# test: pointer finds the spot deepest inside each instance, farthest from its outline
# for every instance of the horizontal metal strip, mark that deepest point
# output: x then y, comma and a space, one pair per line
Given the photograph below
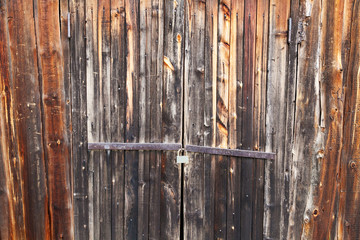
176, 146
134, 146
230, 152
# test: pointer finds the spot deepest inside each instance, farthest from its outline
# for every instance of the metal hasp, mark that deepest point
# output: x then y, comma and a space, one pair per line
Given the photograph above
176, 146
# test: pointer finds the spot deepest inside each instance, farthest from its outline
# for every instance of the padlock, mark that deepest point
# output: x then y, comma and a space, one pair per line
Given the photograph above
182, 158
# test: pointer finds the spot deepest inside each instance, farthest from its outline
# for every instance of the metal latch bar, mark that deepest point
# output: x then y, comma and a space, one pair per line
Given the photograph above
135, 146
176, 146
230, 152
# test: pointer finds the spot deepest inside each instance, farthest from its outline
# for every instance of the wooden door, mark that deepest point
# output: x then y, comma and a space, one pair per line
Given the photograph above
189, 72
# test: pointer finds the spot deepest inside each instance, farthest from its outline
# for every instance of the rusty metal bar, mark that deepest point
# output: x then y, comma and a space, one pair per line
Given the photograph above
230, 152
176, 146
135, 146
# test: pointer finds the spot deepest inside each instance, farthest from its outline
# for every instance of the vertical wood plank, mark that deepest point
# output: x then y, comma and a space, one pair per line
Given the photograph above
81, 167
235, 71
276, 120
349, 185
12, 224
145, 75
117, 98
56, 140
193, 197
348, 209
247, 165
222, 119
172, 118
156, 90
259, 113
308, 146
132, 120
28, 125
94, 112
104, 48
210, 78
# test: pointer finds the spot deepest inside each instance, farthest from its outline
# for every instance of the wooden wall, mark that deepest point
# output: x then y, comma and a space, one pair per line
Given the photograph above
216, 73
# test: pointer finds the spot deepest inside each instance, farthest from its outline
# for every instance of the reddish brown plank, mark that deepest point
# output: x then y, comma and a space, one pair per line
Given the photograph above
56, 140
28, 125
12, 225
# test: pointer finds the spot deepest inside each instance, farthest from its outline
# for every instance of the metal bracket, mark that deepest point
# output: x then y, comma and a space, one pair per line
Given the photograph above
176, 147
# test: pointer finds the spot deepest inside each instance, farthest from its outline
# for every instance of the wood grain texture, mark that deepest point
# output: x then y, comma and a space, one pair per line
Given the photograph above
132, 119
172, 119
210, 78
276, 120
222, 119
30, 164
145, 76
117, 114
259, 129
56, 140
82, 189
247, 140
193, 197
156, 96
12, 225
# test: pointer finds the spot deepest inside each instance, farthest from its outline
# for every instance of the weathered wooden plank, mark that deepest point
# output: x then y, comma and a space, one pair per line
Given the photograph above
12, 224
104, 46
259, 128
222, 118
235, 71
94, 112
156, 96
322, 203
144, 117
117, 98
276, 120
28, 123
132, 119
65, 46
308, 146
56, 140
81, 166
347, 227
172, 118
247, 140
210, 78
193, 197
